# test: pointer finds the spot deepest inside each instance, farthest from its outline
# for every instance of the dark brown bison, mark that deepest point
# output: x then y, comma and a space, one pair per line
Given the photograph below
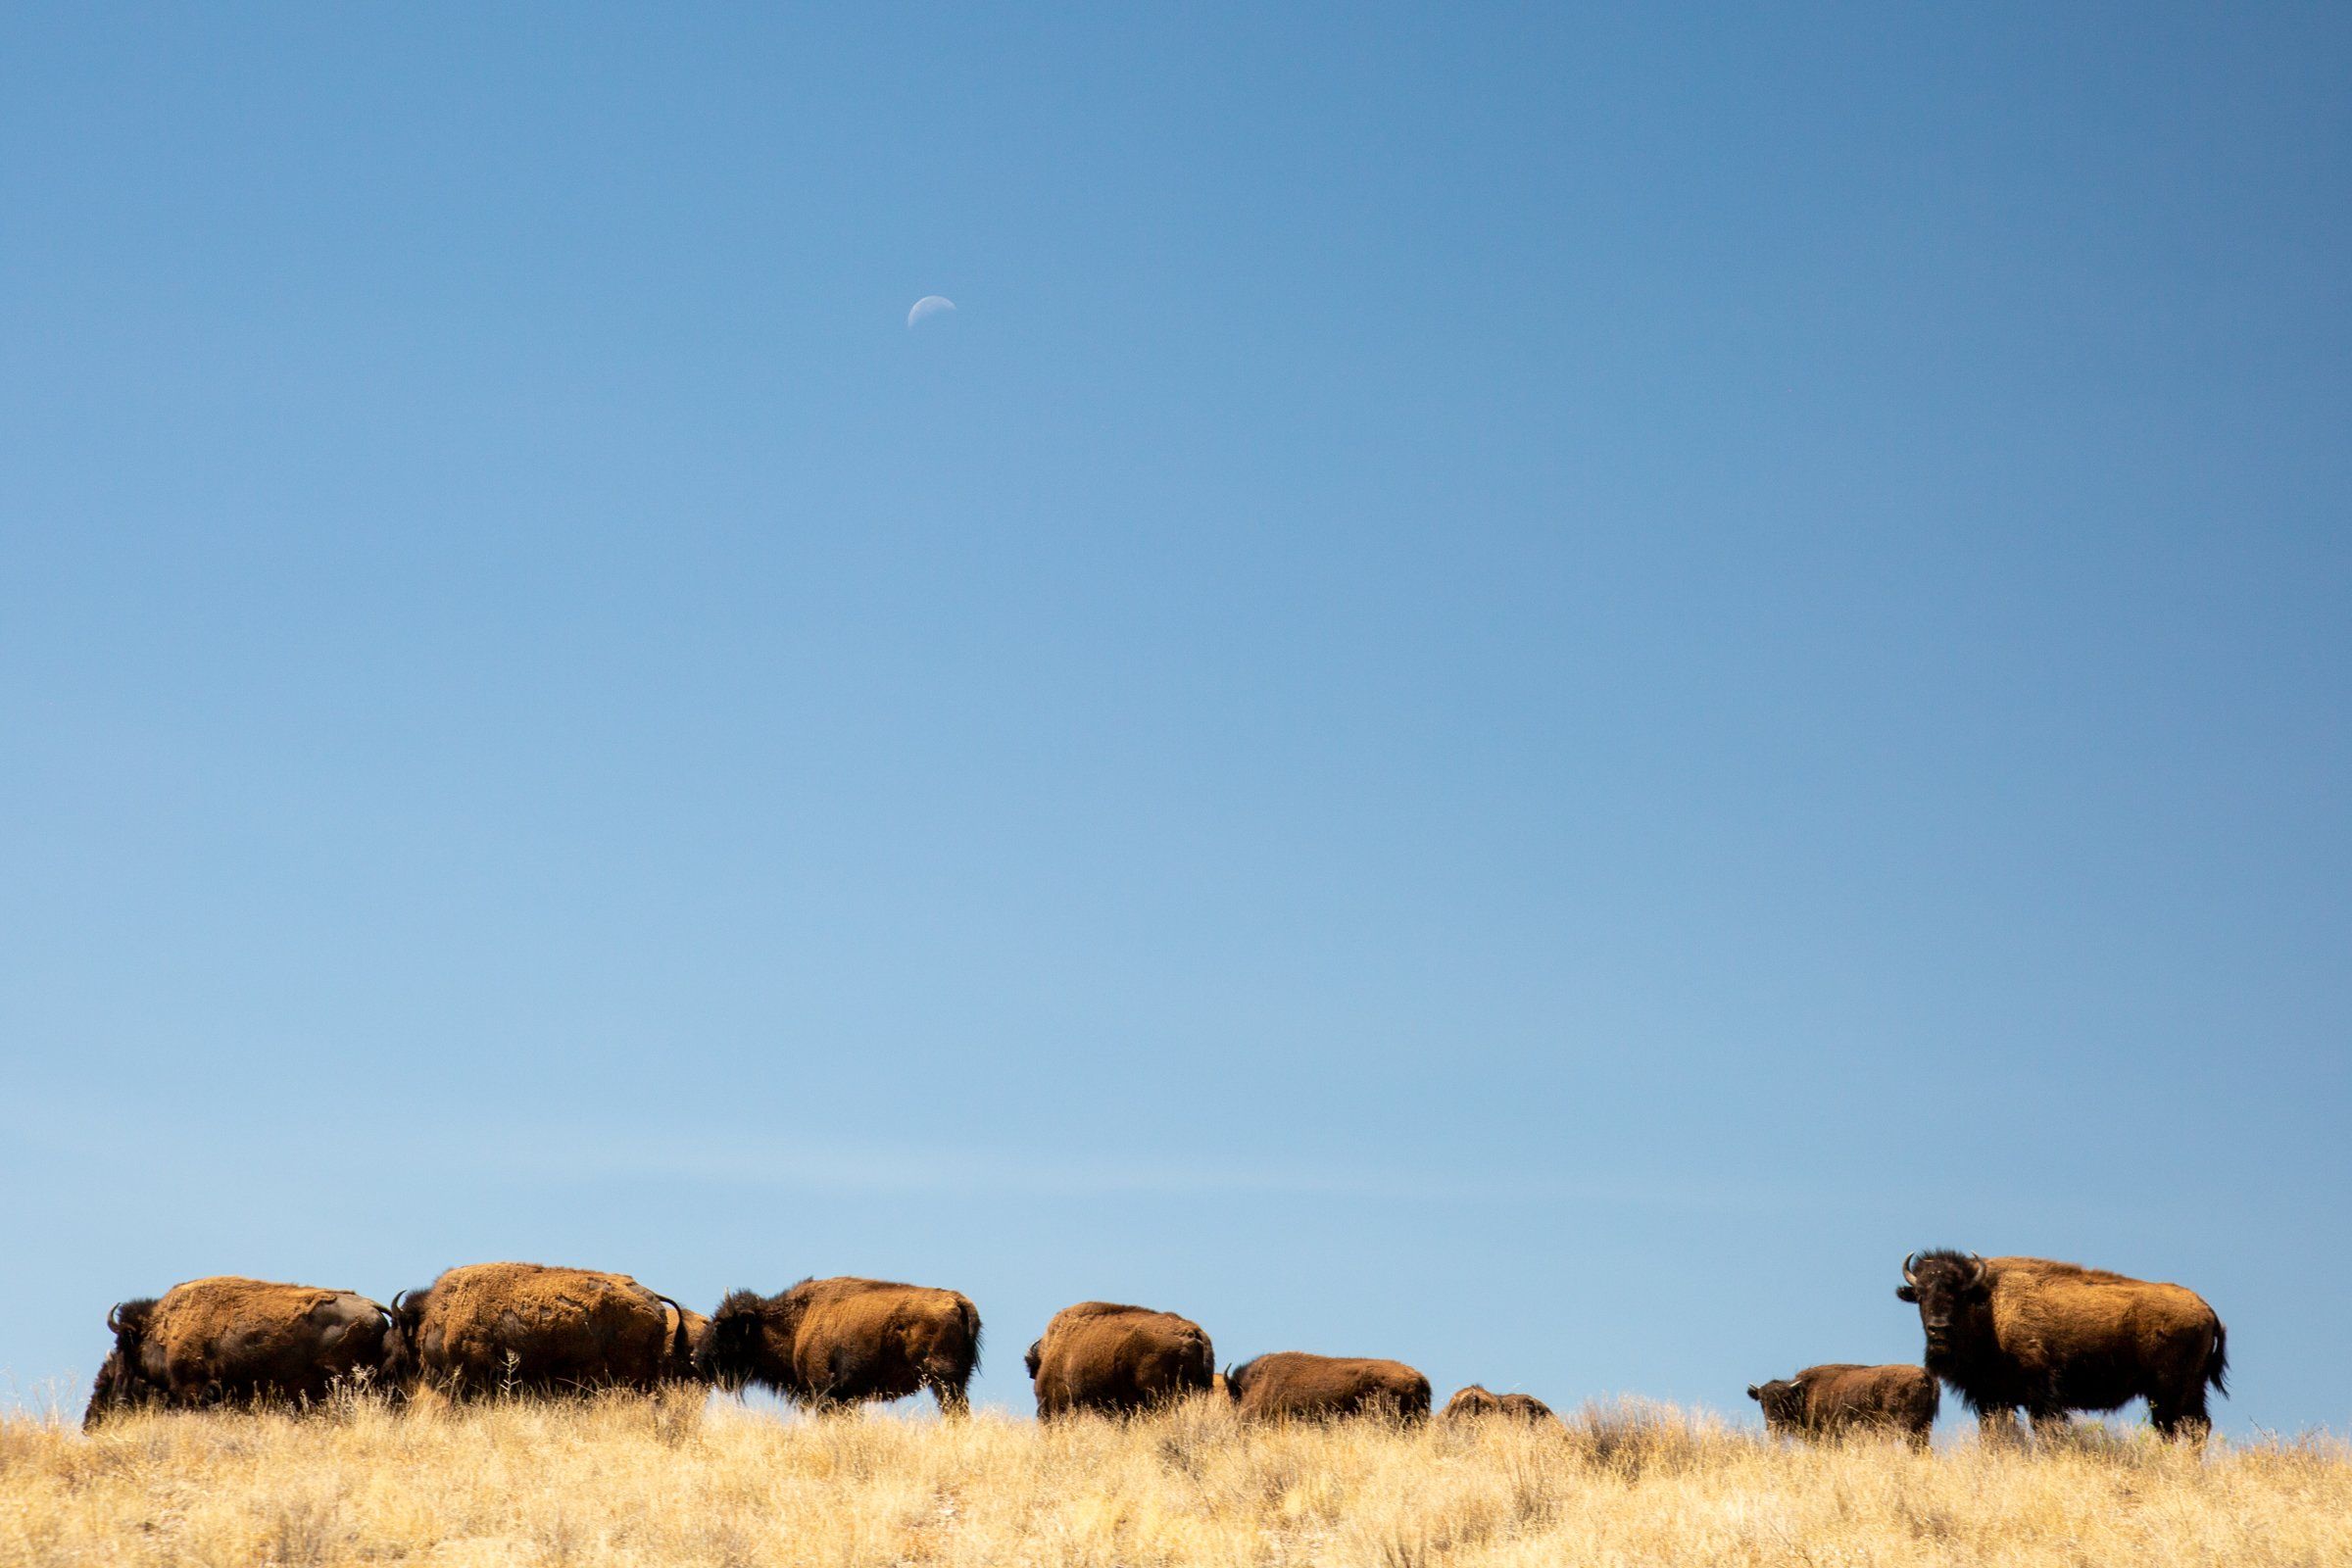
1098, 1356
1840, 1396
2023, 1333
831, 1342
1292, 1385
1478, 1400
230, 1341
526, 1328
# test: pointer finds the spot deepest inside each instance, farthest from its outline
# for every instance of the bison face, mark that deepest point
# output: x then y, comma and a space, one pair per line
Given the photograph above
1952, 1292
733, 1350
401, 1361
1782, 1402
133, 1372
114, 1390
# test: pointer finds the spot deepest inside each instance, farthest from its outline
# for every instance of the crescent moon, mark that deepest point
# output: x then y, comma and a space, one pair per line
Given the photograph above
928, 306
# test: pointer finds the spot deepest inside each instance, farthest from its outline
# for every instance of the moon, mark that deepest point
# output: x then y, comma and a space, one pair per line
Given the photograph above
928, 306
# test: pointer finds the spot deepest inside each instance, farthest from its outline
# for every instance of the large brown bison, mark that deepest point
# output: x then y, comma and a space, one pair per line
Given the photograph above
1841, 1397
2024, 1333
526, 1328
832, 1342
229, 1341
1099, 1355
1478, 1402
1295, 1386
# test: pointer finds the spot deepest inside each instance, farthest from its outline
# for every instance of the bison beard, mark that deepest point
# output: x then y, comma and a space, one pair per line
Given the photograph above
227, 1341
2049, 1338
1293, 1385
838, 1341
1100, 1356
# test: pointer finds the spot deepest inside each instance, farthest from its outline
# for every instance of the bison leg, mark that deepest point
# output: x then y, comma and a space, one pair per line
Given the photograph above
2182, 1417
947, 1390
2048, 1423
1997, 1426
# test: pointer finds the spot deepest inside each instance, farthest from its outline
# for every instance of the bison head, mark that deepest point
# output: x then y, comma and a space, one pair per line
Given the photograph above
112, 1390
1955, 1295
1782, 1402
1475, 1401
740, 1345
1033, 1360
406, 1315
124, 1378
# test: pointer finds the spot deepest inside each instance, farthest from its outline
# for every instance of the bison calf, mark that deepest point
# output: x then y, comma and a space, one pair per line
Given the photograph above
1478, 1400
484, 1328
1099, 1355
1840, 1396
837, 1340
1293, 1385
229, 1341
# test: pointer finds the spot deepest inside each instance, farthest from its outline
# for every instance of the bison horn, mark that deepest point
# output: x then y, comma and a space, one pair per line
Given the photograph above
400, 1304
113, 1318
1976, 1270
1910, 1264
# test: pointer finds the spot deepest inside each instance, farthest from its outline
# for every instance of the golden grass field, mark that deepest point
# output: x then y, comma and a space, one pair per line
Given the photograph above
676, 1480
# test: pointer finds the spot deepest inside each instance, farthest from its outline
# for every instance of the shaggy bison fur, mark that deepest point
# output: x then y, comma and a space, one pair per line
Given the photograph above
487, 1327
1478, 1400
2024, 1333
1295, 1386
229, 1341
1099, 1355
1840, 1396
838, 1341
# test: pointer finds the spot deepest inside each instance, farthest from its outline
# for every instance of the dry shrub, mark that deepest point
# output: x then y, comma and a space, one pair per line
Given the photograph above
618, 1480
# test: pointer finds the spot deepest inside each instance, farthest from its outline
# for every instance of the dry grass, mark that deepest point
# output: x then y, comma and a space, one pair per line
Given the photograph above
668, 1482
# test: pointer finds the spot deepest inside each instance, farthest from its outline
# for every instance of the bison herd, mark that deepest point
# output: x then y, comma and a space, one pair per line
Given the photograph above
2007, 1333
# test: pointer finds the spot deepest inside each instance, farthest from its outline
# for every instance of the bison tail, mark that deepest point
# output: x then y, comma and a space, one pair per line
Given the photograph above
2216, 1360
1203, 1369
971, 1329
680, 1346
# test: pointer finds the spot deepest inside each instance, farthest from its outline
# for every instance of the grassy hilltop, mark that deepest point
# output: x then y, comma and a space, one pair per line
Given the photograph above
673, 1481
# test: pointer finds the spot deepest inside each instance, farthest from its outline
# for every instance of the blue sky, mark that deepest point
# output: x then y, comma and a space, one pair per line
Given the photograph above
1519, 692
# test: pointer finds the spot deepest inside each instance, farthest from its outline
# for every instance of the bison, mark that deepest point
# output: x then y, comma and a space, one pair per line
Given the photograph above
1840, 1396
2012, 1333
1292, 1385
1099, 1355
229, 1341
826, 1342
529, 1328
1478, 1400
